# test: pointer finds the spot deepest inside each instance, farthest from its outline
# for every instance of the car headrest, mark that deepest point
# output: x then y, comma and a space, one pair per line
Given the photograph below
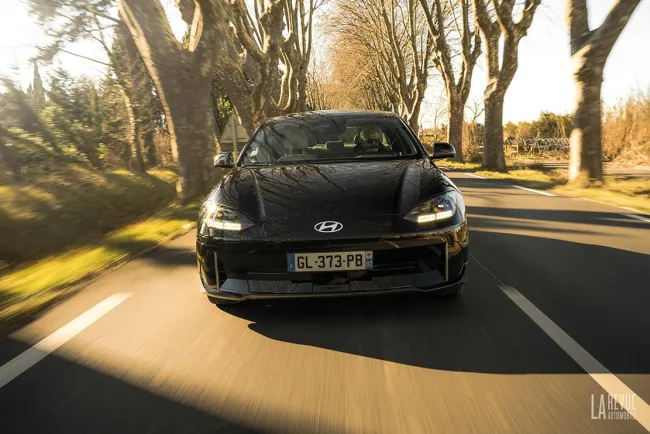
336, 146
297, 143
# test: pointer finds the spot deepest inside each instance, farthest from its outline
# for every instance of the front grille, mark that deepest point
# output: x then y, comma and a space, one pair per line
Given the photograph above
220, 271
431, 255
262, 265
419, 262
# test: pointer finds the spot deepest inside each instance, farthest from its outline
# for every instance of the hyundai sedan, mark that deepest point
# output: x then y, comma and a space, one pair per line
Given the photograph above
332, 204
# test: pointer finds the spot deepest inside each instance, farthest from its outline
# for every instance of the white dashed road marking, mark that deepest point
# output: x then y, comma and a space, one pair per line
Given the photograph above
638, 217
475, 176
40, 350
533, 191
638, 408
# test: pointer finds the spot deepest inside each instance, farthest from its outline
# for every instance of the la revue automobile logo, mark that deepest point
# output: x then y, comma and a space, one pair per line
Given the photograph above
328, 226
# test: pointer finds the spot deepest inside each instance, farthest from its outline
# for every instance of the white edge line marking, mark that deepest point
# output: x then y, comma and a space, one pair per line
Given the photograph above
40, 350
632, 216
475, 176
533, 191
638, 217
599, 373
603, 203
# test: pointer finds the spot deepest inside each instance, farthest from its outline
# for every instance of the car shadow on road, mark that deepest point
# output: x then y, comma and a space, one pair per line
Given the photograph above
413, 329
483, 330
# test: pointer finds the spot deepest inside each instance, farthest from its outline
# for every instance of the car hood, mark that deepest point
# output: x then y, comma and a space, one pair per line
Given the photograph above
366, 197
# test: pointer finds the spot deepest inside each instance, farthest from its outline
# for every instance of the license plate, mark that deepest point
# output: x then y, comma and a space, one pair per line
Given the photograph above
334, 261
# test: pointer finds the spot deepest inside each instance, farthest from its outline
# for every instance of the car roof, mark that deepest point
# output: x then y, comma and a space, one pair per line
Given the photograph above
334, 114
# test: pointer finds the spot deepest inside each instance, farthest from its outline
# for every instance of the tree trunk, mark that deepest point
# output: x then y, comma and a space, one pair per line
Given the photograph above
137, 159
134, 137
183, 80
455, 126
414, 115
586, 146
302, 89
413, 123
149, 148
589, 52
493, 156
191, 129
10, 160
248, 120
239, 94
93, 157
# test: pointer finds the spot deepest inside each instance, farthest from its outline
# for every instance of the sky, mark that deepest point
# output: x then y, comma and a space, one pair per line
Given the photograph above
543, 81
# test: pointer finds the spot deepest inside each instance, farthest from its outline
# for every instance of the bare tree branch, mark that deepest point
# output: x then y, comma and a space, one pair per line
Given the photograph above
605, 36
84, 57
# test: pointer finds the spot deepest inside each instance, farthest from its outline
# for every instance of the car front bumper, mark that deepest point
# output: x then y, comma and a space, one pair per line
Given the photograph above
422, 261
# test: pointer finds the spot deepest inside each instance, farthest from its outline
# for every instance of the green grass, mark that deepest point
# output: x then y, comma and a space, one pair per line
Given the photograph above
633, 193
65, 222
73, 205
618, 191
27, 290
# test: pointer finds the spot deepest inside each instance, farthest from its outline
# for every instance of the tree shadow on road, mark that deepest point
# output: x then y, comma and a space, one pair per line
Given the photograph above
589, 218
58, 395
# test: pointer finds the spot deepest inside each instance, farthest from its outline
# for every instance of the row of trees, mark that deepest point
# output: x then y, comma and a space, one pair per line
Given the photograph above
389, 49
625, 127
254, 56
248, 56
240, 46
393, 45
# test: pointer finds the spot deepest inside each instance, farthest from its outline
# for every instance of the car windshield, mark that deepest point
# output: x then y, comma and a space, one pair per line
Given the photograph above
331, 139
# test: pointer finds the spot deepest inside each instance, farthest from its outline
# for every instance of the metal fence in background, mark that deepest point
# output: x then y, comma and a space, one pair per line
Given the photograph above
536, 146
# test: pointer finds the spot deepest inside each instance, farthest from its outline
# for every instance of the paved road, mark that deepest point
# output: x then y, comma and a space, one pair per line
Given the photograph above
163, 359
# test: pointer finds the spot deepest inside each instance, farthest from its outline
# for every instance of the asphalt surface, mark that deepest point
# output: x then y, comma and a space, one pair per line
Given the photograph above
166, 360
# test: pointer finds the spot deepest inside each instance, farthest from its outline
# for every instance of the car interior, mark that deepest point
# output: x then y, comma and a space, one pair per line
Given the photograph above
289, 143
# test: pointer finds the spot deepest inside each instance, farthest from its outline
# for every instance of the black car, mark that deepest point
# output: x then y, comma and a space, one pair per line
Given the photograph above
332, 203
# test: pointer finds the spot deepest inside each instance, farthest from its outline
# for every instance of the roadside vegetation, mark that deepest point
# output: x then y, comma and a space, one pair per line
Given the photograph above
625, 126
621, 191
67, 222
73, 205
27, 290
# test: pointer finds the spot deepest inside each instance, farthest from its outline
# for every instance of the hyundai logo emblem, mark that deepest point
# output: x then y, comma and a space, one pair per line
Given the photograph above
328, 226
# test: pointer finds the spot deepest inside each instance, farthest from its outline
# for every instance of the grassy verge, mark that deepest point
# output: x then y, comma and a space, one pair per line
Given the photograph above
633, 193
615, 190
28, 290
73, 205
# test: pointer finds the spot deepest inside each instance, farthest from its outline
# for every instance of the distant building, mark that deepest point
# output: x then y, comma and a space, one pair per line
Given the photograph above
234, 136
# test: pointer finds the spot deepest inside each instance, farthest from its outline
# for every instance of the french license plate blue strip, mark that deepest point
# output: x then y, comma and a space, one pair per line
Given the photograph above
291, 261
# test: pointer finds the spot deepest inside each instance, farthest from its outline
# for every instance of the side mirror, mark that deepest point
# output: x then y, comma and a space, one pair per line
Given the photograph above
224, 159
443, 150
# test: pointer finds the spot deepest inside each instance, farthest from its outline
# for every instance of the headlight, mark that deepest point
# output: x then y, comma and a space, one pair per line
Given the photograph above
222, 218
441, 207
